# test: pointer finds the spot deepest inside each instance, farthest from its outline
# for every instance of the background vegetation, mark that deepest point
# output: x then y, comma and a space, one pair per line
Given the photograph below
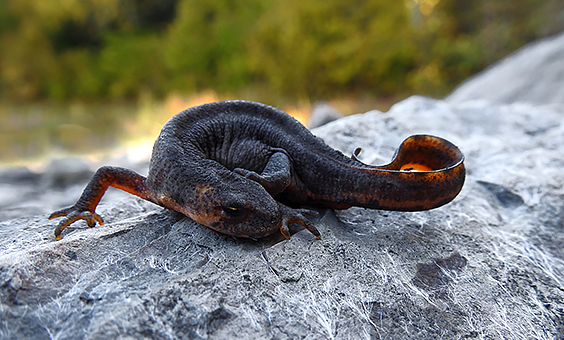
276, 51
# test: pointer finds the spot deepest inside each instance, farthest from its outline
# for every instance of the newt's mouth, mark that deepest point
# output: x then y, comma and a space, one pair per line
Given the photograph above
253, 229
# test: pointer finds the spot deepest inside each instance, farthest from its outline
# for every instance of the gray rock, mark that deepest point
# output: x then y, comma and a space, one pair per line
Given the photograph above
488, 265
321, 114
534, 74
27, 192
63, 172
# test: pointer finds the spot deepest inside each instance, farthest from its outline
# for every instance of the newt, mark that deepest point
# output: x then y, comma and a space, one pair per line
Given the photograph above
246, 169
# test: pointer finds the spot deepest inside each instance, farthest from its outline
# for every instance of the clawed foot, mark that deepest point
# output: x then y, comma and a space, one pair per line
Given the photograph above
248, 174
297, 216
72, 215
274, 184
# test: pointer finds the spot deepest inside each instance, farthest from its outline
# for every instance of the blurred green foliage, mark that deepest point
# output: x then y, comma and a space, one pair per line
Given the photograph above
313, 49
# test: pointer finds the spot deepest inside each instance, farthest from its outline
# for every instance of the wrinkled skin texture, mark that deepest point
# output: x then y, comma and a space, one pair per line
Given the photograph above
235, 165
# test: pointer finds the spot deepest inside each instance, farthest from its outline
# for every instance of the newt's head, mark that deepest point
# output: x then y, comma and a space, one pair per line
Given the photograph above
237, 207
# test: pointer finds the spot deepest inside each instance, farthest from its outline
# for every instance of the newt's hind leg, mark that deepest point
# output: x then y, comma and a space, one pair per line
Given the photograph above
85, 207
276, 175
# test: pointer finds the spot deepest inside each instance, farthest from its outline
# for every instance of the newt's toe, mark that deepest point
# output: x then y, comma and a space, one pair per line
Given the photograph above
297, 216
285, 230
72, 215
59, 213
248, 174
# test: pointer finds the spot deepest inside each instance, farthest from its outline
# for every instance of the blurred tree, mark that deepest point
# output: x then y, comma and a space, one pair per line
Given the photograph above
206, 47
321, 47
456, 39
70, 49
132, 64
147, 14
294, 48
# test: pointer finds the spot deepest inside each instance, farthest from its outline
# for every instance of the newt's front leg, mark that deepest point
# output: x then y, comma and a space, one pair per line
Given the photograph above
276, 175
297, 216
85, 207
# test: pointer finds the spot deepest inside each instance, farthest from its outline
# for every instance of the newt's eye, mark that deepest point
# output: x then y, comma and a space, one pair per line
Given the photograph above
235, 213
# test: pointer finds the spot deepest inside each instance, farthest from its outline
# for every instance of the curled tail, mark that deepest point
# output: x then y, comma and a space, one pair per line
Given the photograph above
425, 173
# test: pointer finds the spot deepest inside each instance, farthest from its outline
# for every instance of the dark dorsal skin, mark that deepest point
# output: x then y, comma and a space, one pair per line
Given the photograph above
229, 166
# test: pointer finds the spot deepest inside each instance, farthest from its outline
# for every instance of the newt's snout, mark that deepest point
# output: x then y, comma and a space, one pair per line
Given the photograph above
243, 209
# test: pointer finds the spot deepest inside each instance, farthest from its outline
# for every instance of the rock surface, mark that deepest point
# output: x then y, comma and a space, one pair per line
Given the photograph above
488, 265
321, 114
533, 74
